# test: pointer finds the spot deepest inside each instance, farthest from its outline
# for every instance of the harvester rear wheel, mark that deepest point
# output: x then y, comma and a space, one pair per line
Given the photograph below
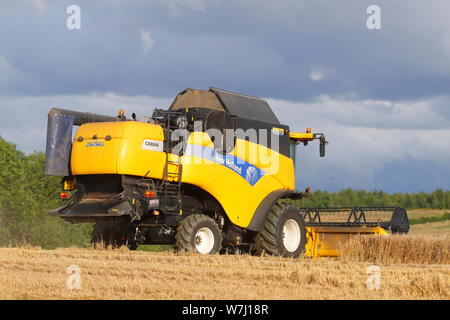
284, 233
198, 233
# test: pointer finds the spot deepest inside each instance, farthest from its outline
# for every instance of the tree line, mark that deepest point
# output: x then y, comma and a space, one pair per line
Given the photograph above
438, 199
26, 195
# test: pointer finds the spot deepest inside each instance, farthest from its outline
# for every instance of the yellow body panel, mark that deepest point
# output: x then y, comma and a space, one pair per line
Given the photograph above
124, 154
301, 136
237, 196
133, 159
325, 241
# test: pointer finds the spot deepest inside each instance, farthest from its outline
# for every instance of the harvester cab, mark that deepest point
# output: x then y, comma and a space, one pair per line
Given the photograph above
213, 172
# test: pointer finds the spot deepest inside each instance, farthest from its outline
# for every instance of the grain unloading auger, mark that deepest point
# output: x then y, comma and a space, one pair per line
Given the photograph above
213, 172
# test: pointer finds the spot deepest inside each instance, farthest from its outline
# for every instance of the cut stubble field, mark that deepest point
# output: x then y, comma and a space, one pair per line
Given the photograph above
32, 273
415, 266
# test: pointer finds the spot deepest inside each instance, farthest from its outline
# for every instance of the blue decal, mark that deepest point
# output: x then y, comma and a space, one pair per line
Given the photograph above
246, 170
95, 144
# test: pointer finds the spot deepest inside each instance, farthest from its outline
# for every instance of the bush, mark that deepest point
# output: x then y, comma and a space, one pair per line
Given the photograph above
26, 195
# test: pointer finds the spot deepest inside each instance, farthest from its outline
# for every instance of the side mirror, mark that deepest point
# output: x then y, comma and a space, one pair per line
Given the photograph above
323, 142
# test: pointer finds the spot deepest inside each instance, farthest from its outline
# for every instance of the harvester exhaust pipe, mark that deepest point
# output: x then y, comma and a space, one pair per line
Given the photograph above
59, 137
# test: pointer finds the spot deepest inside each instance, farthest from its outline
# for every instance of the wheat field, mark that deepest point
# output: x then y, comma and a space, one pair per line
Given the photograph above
397, 249
33, 273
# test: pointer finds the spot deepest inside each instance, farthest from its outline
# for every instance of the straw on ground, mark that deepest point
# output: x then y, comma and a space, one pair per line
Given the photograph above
32, 273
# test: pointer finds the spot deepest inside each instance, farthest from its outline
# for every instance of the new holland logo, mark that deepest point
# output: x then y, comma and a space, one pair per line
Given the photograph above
252, 175
152, 145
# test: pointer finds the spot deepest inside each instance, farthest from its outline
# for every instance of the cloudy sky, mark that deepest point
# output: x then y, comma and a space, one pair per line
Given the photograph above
382, 97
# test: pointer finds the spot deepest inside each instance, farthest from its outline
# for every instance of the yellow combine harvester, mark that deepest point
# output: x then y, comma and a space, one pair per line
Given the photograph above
208, 174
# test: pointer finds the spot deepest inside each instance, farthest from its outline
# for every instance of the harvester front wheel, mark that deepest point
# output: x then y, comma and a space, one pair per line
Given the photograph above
284, 233
198, 233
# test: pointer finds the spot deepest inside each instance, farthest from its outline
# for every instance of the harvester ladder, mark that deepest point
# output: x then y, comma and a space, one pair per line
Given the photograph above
171, 184
170, 187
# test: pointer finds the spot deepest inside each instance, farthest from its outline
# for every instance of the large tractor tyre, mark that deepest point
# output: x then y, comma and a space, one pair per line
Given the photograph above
284, 233
198, 233
111, 235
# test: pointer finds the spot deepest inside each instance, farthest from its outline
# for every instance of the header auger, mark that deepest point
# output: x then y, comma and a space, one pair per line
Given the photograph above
210, 173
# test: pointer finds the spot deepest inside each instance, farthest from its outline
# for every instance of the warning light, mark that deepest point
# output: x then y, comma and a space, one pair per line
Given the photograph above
150, 194
121, 112
308, 130
64, 195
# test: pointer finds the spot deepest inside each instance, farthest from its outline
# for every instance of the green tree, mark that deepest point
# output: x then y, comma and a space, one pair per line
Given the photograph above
26, 195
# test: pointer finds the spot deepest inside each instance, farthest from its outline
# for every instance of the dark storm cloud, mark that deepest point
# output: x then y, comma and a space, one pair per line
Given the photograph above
266, 48
382, 96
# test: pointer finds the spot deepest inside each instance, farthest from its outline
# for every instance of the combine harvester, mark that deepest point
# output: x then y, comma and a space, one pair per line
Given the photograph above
211, 173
